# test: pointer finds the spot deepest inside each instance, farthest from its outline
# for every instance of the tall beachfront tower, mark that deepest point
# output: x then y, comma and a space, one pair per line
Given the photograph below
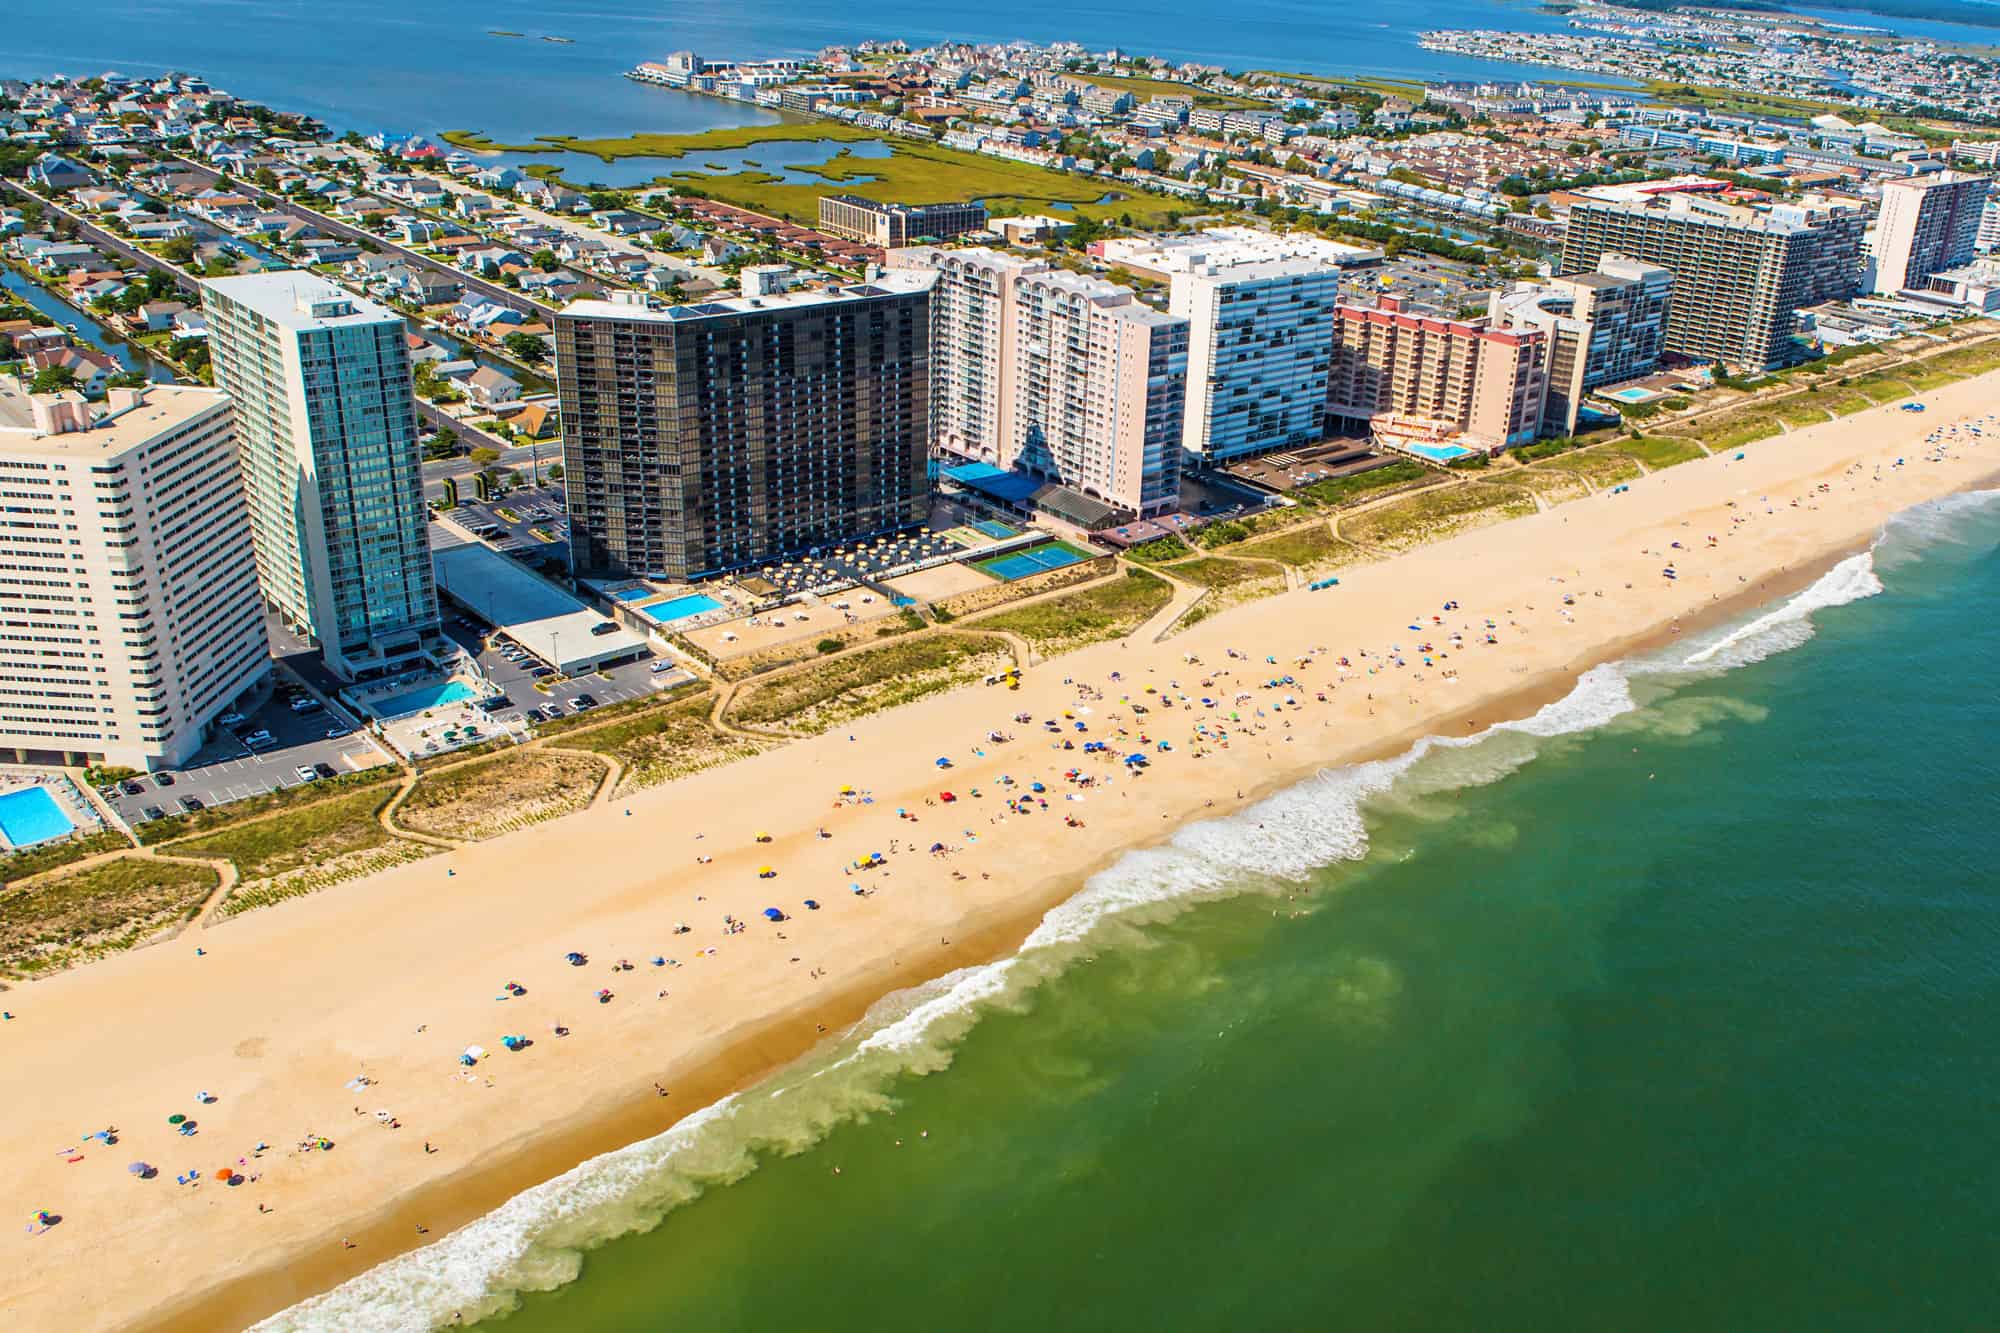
704, 438
127, 586
327, 434
1928, 224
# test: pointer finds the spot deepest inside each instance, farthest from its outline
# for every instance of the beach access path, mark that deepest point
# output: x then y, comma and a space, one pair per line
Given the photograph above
392, 976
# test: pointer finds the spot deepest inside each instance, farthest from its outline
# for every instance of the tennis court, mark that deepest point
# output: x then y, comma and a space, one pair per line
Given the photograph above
993, 527
1036, 560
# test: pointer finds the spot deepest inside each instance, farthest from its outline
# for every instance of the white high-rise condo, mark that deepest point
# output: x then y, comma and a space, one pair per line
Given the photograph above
1928, 224
327, 432
129, 615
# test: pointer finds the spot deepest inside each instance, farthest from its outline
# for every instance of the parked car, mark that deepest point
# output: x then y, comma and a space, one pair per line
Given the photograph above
663, 664
306, 773
164, 779
325, 770
130, 788
231, 719
190, 804
304, 704
154, 812
259, 740
335, 733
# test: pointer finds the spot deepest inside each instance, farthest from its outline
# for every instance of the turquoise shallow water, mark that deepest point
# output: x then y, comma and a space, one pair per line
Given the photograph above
1672, 1008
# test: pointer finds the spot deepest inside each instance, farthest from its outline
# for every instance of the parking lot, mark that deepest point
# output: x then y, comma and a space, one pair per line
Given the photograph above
509, 523
516, 679
226, 769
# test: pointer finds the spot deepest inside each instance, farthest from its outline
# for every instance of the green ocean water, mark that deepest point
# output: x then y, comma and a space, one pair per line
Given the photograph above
1674, 1008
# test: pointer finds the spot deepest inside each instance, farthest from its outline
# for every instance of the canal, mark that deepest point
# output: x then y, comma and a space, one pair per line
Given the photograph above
85, 325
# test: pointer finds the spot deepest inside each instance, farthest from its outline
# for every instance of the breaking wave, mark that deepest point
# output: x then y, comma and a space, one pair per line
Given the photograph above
536, 1241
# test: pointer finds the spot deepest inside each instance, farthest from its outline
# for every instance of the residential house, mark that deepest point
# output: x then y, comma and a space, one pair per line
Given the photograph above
489, 388
90, 366
54, 172
492, 260
158, 316
623, 222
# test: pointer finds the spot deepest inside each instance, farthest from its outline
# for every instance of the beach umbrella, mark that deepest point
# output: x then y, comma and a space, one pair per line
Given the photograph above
763, 837
140, 1169
773, 914
812, 905
176, 1118
1036, 786
765, 872
943, 762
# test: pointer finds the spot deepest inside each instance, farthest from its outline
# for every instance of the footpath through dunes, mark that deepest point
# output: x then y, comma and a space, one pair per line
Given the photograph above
393, 976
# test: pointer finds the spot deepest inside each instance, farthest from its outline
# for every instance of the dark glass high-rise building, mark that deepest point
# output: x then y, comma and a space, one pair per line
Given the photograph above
704, 438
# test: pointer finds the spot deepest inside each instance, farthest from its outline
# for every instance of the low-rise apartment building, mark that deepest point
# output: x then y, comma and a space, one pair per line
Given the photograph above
1414, 378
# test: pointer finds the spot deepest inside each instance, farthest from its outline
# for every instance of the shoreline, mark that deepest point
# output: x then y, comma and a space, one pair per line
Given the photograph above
338, 978
769, 1048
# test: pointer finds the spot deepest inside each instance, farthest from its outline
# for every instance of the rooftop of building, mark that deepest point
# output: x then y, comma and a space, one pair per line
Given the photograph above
879, 206
68, 425
294, 299
636, 306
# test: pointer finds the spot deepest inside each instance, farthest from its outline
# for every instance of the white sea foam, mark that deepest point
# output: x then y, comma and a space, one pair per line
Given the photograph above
535, 1241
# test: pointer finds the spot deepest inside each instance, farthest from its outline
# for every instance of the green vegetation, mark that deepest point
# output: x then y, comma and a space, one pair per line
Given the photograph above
1160, 549
911, 171
661, 743
1220, 572
49, 855
309, 835
812, 700
1336, 492
1309, 547
1144, 89
1595, 466
1657, 451
222, 816
493, 796
1551, 486
114, 905
1436, 514
1107, 610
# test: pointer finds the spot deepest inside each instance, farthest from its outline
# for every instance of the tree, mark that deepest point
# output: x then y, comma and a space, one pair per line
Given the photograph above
52, 379
179, 249
524, 346
484, 455
545, 260
266, 178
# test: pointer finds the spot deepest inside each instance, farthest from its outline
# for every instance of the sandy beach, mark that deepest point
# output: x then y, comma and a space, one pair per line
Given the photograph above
391, 978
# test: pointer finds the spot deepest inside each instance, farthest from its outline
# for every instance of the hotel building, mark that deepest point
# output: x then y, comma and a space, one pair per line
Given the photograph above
129, 615
1603, 328
1059, 375
891, 225
1421, 379
704, 438
327, 433
1743, 273
1928, 224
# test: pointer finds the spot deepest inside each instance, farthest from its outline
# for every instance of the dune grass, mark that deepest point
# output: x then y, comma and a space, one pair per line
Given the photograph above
812, 699
1107, 610
488, 797
81, 914
659, 744
1435, 514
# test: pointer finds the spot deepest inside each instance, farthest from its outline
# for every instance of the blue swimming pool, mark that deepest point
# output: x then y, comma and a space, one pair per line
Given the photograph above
632, 594
1040, 559
1439, 453
680, 608
1633, 395
430, 696
30, 815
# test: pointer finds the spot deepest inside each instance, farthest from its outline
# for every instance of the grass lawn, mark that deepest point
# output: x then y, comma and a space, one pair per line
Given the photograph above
1144, 89
659, 744
820, 696
1436, 514
1107, 610
1160, 550
107, 907
1658, 451
1337, 491
1934, 379
494, 796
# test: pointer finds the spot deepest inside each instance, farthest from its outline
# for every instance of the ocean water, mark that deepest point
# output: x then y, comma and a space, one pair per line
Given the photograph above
1669, 1007
385, 64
